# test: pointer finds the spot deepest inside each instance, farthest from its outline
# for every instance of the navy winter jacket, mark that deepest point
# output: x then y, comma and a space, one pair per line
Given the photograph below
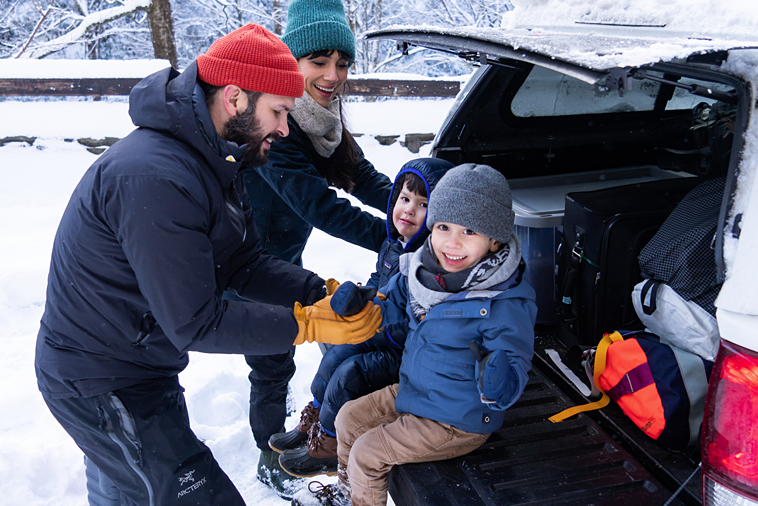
290, 197
430, 170
157, 229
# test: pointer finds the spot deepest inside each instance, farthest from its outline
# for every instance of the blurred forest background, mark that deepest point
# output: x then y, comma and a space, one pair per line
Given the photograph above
179, 30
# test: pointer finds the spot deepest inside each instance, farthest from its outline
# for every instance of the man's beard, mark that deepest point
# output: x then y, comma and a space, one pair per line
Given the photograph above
244, 128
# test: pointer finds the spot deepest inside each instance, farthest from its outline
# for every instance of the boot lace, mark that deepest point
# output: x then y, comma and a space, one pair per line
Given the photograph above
327, 494
308, 417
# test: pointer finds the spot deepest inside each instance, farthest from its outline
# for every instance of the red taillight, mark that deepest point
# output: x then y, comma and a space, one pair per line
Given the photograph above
730, 425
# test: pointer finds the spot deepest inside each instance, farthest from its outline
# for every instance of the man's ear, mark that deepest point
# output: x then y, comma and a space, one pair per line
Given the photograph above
495, 246
232, 99
226, 104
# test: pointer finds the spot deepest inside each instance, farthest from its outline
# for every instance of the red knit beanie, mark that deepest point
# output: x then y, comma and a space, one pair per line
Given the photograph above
254, 59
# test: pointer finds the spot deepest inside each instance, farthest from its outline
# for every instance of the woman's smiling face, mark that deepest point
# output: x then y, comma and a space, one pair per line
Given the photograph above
324, 74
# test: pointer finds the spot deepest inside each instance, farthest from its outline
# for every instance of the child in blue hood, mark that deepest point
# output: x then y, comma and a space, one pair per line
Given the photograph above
348, 372
470, 342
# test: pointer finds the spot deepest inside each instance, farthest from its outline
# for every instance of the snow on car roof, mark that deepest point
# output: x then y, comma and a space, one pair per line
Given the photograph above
590, 46
729, 19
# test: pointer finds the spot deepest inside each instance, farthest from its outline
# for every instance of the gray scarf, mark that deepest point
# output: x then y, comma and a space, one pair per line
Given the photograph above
322, 125
488, 272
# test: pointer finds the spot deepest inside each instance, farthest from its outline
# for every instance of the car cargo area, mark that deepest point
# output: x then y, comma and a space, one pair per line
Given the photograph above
632, 150
590, 459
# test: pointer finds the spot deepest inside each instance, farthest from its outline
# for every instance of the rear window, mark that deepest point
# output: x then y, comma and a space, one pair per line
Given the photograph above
546, 93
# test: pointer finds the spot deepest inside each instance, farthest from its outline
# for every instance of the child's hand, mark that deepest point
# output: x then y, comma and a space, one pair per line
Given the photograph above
350, 298
493, 372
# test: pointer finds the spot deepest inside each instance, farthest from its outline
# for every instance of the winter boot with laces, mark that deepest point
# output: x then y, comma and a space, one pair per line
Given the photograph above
297, 436
321, 495
319, 456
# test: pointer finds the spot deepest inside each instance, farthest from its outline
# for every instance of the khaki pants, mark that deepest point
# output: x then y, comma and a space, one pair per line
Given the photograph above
372, 437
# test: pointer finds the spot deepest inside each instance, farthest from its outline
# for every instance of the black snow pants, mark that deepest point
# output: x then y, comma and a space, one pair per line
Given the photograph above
139, 437
269, 377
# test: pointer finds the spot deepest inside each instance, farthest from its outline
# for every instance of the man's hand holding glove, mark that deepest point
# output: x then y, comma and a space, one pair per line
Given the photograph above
495, 377
320, 323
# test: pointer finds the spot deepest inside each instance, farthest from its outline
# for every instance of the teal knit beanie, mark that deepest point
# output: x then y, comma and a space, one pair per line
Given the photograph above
318, 25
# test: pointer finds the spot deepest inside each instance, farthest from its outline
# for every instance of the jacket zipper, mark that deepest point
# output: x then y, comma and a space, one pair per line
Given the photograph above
237, 212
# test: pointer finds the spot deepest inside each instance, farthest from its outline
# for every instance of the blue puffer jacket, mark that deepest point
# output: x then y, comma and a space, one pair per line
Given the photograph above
157, 229
430, 170
290, 197
438, 371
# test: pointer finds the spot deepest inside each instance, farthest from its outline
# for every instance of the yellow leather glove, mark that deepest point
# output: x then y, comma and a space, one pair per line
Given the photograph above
331, 286
320, 324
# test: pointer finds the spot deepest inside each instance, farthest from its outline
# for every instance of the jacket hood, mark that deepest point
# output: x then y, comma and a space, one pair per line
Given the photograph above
430, 170
174, 103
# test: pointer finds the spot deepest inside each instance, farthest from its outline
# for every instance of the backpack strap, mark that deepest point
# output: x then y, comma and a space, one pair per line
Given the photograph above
695, 381
600, 357
650, 286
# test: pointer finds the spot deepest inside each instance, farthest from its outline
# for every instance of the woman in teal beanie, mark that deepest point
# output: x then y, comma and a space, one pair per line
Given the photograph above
294, 192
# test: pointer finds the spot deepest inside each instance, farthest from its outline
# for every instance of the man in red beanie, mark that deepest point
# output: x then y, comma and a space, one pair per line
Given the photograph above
155, 233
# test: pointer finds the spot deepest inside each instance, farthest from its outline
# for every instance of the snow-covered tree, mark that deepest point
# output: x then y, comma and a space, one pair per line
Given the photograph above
110, 29
103, 28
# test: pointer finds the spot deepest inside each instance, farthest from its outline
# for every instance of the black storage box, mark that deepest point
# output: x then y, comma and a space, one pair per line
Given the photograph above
603, 234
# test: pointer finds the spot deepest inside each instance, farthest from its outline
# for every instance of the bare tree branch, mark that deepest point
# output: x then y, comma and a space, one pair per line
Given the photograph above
88, 23
34, 32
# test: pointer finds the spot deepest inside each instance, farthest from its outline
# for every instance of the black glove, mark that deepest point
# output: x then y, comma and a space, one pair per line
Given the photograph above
350, 298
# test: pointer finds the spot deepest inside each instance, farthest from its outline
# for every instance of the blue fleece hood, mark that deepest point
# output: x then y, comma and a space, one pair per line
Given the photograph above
430, 170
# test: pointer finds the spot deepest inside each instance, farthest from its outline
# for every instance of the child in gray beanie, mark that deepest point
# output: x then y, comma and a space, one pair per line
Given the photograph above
469, 347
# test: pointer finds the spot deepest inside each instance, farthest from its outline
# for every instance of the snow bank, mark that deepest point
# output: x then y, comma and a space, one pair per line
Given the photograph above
78, 69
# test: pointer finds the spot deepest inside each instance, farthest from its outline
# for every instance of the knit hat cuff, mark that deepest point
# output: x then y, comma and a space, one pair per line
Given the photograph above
320, 36
250, 77
477, 216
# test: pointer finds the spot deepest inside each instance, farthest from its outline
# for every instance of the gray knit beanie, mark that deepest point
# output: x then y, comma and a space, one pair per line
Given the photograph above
476, 197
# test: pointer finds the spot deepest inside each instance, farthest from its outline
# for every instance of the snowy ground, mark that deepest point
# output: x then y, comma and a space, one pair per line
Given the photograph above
39, 463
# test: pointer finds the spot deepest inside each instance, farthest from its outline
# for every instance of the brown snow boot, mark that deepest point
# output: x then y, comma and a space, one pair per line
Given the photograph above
319, 456
297, 436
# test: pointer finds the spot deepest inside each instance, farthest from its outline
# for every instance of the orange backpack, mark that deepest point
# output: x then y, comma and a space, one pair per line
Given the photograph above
659, 387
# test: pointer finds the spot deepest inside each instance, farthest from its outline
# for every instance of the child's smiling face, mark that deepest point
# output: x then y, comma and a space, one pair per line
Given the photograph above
457, 248
409, 212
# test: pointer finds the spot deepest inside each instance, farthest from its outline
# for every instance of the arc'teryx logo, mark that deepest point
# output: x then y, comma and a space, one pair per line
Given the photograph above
183, 480
187, 478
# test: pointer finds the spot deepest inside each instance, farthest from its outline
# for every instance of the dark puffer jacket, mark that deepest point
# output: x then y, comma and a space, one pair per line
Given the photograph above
290, 197
157, 229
